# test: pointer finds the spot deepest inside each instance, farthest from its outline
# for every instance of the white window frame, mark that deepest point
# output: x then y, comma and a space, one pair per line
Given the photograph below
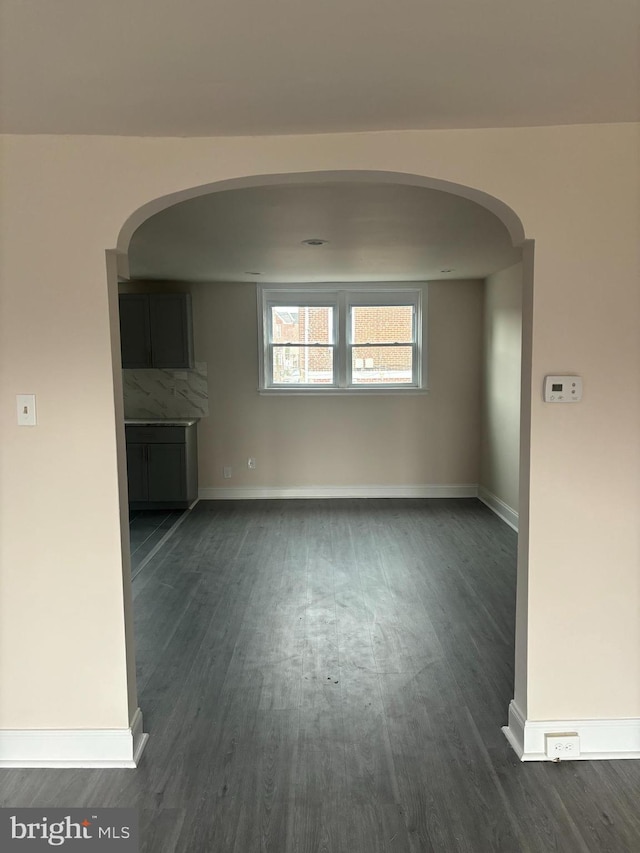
341, 297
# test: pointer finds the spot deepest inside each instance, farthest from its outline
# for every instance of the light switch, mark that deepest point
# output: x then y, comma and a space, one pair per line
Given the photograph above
26, 409
562, 389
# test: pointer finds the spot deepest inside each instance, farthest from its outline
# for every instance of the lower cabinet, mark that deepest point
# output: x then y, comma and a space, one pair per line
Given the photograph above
162, 466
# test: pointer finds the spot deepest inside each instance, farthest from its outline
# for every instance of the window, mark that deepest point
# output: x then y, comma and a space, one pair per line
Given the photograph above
338, 339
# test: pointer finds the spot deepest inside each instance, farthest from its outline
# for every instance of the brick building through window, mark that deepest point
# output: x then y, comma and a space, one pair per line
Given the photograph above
303, 341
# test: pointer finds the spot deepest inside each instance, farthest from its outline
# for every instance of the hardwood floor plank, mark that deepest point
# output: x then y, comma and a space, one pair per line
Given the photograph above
160, 829
315, 828
375, 828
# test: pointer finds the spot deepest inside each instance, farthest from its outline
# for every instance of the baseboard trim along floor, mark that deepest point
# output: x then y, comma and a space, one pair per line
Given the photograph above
464, 490
501, 509
599, 739
80, 748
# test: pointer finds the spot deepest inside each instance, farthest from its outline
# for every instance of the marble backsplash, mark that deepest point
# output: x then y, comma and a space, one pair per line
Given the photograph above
166, 393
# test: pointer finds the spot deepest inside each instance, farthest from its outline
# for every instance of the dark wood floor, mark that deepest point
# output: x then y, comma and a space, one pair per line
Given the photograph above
332, 676
148, 529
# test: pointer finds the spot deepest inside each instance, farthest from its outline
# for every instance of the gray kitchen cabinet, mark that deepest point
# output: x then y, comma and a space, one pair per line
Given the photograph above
156, 330
162, 466
135, 330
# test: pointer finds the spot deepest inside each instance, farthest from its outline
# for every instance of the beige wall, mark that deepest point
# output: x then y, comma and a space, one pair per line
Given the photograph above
339, 440
64, 201
500, 447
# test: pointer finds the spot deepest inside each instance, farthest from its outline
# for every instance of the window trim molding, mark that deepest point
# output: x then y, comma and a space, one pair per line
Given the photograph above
343, 295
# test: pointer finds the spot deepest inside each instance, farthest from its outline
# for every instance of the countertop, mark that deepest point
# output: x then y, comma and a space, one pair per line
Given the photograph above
161, 421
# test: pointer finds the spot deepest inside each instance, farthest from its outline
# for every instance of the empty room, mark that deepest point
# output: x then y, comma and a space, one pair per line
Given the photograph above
320, 458
339, 592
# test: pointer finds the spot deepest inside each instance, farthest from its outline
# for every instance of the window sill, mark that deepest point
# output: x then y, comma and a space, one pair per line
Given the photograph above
341, 392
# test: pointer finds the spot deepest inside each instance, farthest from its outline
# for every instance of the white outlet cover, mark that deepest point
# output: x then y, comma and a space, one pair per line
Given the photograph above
562, 745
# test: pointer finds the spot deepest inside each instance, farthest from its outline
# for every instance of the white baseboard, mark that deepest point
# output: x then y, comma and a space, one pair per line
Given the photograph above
73, 747
599, 739
501, 509
279, 492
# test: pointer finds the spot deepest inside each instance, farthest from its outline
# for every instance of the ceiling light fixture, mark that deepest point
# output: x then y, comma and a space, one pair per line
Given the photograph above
448, 270
248, 272
314, 241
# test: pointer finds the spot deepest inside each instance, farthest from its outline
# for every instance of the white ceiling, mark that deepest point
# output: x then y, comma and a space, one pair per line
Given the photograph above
197, 67
375, 232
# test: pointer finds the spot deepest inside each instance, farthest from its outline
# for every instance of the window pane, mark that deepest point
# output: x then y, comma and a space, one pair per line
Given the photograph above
382, 365
302, 365
381, 324
303, 324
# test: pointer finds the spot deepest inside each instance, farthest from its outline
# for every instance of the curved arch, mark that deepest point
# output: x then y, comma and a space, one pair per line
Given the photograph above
505, 214
512, 222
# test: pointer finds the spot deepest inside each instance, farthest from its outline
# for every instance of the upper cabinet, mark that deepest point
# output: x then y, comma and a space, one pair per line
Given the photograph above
156, 330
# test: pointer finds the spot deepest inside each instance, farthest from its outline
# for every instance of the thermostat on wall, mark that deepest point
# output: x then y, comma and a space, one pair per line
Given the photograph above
562, 389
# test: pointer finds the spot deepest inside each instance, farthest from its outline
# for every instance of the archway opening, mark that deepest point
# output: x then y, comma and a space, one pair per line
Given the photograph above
390, 182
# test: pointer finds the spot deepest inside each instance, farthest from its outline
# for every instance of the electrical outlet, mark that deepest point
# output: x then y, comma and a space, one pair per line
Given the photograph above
561, 746
226, 473
251, 462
